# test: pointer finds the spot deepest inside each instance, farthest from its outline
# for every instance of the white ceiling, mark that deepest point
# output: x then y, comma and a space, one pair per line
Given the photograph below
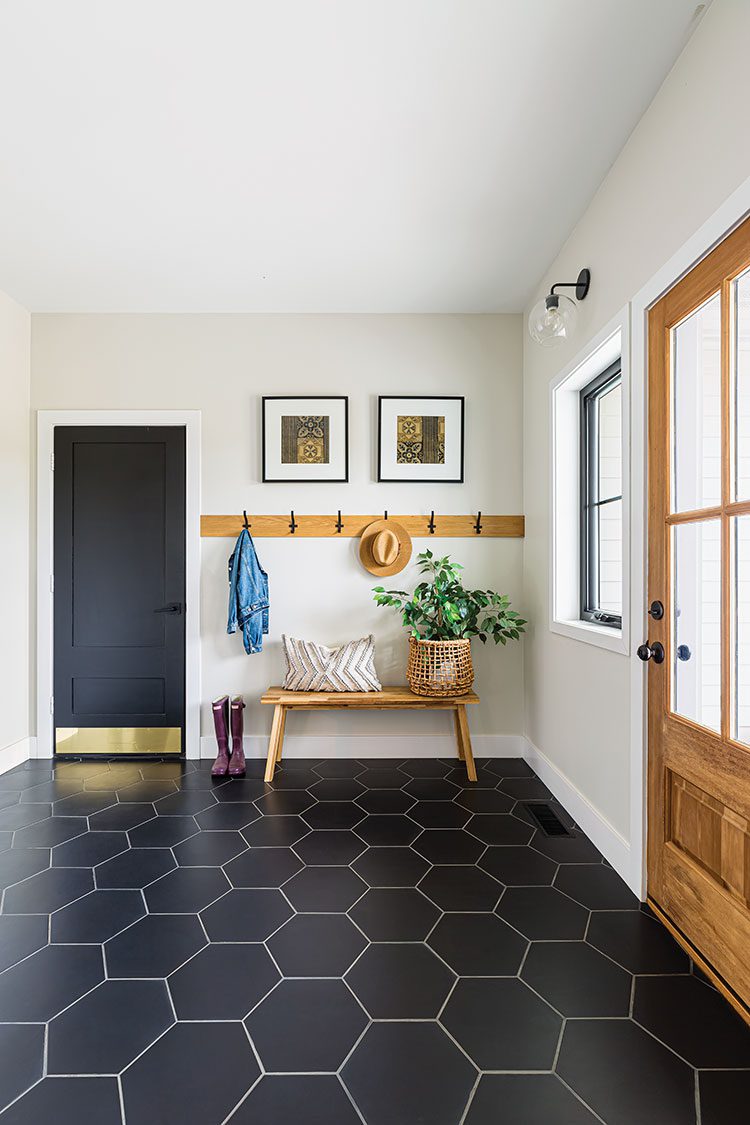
310, 155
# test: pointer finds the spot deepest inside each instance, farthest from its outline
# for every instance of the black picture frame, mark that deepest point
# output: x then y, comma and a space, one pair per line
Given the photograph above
265, 478
420, 398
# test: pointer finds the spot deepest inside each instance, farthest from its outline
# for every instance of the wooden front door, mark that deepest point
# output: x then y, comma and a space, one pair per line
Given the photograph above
699, 570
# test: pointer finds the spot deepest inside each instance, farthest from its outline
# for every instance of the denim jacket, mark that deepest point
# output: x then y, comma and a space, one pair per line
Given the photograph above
248, 594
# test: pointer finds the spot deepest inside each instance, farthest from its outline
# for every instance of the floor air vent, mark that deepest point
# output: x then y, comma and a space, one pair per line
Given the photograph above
546, 818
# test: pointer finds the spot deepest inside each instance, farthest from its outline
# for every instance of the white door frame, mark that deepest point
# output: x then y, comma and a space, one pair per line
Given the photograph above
731, 213
190, 420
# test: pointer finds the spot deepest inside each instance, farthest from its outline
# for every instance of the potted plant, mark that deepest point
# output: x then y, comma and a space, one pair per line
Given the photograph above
443, 616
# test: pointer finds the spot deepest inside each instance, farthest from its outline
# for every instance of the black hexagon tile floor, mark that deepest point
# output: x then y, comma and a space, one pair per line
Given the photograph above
374, 942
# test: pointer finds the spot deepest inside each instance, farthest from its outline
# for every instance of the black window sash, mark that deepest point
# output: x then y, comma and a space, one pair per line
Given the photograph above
590, 500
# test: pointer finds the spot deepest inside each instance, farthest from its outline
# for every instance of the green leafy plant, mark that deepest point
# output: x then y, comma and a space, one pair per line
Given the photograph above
442, 609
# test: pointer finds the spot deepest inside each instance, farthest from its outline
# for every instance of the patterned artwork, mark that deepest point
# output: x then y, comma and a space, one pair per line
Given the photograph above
305, 439
420, 439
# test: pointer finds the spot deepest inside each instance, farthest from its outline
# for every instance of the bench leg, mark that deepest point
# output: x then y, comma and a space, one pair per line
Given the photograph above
280, 739
274, 743
459, 741
464, 735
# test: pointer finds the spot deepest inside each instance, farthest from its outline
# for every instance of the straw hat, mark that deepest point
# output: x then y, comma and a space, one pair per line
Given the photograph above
385, 548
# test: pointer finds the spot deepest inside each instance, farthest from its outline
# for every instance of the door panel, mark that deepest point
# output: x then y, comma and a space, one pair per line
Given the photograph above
699, 567
119, 546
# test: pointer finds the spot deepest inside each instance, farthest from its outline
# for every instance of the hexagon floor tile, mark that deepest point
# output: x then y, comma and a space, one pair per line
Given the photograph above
409, 1072
478, 945
395, 914
502, 1024
381, 937
316, 945
246, 915
400, 980
306, 1025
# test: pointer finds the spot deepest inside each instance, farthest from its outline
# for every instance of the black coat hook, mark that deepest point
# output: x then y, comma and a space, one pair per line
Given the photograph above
478, 524
339, 524
245, 524
293, 525
431, 524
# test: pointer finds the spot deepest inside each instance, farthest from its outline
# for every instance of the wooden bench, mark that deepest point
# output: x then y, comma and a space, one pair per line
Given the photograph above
389, 699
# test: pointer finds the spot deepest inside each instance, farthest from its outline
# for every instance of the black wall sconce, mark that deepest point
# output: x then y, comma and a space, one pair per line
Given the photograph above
553, 319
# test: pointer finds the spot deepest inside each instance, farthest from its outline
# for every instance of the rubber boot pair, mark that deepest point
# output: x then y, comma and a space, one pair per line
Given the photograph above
232, 763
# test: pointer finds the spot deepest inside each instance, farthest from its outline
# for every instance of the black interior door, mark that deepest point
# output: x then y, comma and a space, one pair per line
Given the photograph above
119, 589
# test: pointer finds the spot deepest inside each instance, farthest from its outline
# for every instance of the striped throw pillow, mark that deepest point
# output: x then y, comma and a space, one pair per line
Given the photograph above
313, 667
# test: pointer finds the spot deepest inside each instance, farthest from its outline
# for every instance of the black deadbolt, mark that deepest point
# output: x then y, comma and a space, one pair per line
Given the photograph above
656, 610
653, 652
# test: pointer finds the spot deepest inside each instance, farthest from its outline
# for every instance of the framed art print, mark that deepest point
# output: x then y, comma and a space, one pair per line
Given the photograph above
421, 438
305, 438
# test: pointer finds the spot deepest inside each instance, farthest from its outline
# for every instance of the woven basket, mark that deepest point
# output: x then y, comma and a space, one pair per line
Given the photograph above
439, 667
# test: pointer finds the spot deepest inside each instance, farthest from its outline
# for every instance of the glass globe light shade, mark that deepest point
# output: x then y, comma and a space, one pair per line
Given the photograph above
553, 320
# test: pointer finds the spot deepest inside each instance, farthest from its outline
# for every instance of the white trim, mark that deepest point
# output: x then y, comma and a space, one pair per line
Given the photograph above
728, 216
46, 422
17, 753
376, 746
611, 342
613, 846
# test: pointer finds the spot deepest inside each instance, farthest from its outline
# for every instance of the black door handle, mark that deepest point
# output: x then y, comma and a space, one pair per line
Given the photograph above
653, 652
171, 607
683, 652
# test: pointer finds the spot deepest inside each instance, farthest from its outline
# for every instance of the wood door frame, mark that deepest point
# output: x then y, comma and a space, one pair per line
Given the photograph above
47, 420
734, 210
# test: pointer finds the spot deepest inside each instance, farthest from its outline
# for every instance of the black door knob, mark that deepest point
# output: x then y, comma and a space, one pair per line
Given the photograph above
653, 652
683, 652
172, 607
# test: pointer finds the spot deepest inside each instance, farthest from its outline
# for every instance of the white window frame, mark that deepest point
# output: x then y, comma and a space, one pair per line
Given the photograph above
611, 343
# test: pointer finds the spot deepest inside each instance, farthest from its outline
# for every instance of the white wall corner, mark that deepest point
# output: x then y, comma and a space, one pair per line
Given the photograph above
376, 746
17, 753
614, 847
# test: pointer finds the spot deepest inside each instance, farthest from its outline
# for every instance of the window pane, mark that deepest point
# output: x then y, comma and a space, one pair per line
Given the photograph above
741, 708
696, 398
610, 558
742, 391
696, 627
610, 443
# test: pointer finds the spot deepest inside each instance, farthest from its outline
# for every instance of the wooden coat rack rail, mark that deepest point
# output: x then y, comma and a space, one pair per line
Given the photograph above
333, 526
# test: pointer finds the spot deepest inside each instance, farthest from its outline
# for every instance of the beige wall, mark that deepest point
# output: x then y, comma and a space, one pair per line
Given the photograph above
688, 153
14, 519
221, 366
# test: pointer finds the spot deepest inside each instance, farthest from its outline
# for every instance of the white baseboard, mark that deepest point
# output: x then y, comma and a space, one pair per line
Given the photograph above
16, 753
614, 847
376, 746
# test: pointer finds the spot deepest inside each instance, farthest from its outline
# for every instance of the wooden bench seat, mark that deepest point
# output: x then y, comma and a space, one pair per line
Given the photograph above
389, 699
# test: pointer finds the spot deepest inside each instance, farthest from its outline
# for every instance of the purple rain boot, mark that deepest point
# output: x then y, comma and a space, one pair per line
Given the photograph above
237, 761
220, 768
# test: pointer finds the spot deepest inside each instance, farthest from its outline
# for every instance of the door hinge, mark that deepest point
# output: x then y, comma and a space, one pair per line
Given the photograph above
52, 705
51, 583
52, 462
